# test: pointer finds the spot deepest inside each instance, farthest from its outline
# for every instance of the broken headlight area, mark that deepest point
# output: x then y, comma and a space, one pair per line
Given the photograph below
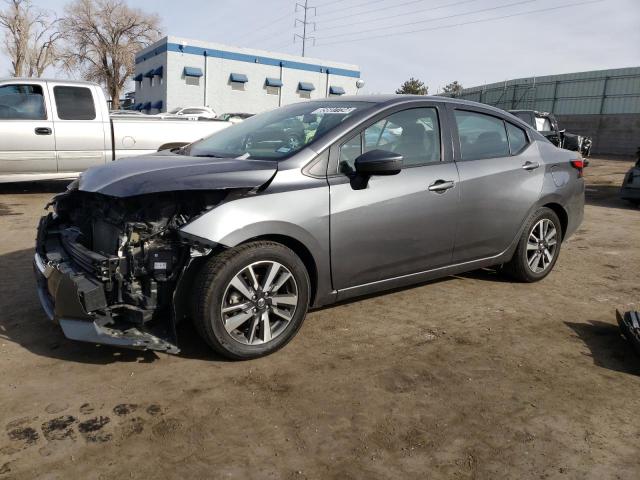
119, 263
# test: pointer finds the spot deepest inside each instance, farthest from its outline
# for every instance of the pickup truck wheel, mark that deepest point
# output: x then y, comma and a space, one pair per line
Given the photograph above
538, 247
251, 300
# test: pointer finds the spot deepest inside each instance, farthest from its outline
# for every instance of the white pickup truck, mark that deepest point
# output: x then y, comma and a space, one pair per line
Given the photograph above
55, 129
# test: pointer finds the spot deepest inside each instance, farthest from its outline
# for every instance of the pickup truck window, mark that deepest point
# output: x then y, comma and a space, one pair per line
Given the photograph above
74, 103
22, 102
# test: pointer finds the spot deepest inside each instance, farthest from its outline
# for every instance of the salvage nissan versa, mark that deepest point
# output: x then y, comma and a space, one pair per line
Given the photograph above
245, 230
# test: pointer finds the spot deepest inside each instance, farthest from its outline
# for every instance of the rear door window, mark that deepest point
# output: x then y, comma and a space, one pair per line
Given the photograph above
74, 103
22, 102
481, 136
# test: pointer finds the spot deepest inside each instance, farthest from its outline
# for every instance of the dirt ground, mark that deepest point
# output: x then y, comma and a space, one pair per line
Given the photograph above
470, 377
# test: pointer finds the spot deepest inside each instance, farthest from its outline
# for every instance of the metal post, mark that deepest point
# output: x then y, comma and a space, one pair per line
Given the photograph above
205, 78
604, 94
555, 96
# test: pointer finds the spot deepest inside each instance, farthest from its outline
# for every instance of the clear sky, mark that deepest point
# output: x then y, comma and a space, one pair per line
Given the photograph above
462, 46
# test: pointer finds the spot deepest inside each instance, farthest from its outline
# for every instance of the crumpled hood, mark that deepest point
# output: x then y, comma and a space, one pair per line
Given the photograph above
164, 172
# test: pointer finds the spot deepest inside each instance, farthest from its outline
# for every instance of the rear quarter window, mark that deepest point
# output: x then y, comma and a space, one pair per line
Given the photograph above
517, 139
74, 103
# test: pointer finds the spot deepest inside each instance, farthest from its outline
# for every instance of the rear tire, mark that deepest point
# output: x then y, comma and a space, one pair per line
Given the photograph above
234, 312
538, 247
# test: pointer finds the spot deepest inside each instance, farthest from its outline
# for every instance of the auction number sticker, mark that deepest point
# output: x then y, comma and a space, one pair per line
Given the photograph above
330, 110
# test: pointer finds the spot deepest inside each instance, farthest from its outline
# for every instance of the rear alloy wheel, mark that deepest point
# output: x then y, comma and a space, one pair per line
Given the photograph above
538, 248
251, 300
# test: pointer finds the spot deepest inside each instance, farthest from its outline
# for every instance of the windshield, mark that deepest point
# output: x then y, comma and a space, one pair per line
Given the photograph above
175, 110
279, 133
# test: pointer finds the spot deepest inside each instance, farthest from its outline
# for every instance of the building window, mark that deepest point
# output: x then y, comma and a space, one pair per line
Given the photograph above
192, 75
305, 89
273, 85
237, 81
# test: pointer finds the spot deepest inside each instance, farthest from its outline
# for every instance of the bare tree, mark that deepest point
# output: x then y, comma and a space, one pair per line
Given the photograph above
102, 39
30, 37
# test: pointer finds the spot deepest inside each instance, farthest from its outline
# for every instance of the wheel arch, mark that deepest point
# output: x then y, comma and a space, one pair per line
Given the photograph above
302, 251
562, 214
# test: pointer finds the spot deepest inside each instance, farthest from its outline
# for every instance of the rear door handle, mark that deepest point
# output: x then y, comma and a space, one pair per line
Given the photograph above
530, 165
441, 186
43, 131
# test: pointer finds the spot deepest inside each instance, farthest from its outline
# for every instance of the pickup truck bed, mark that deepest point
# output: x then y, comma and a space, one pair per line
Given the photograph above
53, 129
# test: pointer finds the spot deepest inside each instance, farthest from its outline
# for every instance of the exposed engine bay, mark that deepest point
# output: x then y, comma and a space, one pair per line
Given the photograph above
125, 256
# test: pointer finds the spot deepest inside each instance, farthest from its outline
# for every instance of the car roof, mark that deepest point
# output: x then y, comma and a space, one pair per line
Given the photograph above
392, 99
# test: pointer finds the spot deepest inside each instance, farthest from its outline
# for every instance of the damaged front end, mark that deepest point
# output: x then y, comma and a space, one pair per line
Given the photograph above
113, 270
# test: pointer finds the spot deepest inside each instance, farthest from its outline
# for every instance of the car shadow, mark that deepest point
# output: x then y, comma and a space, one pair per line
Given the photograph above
23, 322
48, 186
607, 346
606, 196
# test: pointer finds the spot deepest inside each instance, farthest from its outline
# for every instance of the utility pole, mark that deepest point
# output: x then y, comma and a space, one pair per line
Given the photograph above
304, 23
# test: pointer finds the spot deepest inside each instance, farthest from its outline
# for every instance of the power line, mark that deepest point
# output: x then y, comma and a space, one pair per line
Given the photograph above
520, 2
387, 17
268, 24
329, 3
441, 27
349, 7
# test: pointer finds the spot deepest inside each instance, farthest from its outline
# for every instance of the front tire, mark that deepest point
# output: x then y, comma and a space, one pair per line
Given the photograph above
538, 247
251, 300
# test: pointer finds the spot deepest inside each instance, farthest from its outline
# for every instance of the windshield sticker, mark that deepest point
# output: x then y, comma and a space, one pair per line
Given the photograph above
329, 110
283, 150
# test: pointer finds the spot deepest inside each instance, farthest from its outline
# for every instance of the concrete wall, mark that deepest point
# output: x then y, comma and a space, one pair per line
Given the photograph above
612, 134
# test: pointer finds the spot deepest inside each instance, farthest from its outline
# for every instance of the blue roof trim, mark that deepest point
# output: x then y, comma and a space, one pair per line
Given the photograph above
157, 105
149, 74
243, 57
306, 86
273, 82
159, 71
138, 78
238, 77
335, 90
192, 72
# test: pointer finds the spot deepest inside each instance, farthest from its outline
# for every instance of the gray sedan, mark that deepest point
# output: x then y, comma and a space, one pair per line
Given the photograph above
244, 237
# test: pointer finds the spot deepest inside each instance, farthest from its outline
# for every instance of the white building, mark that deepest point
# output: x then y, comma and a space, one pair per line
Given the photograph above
177, 72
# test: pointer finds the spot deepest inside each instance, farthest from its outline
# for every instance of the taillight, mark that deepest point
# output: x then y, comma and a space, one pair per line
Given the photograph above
578, 164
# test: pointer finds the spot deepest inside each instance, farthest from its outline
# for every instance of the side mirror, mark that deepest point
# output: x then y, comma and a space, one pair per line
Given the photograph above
378, 162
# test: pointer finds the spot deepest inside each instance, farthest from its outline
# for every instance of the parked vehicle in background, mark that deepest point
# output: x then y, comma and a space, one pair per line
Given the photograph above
126, 113
56, 129
234, 117
547, 125
192, 113
630, 189
245, 236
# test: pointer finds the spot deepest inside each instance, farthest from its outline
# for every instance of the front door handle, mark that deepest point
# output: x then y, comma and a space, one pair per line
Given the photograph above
530, 165
441, 186
43, 131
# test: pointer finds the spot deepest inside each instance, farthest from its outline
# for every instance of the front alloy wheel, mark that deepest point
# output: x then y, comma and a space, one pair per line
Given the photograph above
259, 302
251, 299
